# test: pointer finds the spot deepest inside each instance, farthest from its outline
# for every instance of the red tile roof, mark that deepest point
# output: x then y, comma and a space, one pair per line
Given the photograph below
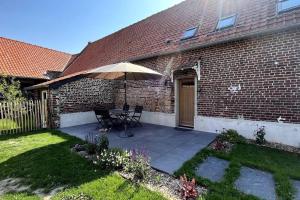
21, 59
149, 37
47, 83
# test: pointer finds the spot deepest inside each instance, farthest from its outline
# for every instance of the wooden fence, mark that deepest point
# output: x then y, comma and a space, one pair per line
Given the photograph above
19, 117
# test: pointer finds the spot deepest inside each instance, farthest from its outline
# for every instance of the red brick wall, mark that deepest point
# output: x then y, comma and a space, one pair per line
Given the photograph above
267, 90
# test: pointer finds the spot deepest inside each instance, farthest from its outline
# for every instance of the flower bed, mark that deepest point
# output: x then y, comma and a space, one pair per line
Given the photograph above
228, 138
134, 166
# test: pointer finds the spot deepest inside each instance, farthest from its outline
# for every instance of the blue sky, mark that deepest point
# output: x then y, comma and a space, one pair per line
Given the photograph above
68, 25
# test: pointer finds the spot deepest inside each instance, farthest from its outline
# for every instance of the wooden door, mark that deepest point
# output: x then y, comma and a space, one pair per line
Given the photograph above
186, 102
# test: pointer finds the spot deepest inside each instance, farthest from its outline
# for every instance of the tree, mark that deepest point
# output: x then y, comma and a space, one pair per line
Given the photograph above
10, 89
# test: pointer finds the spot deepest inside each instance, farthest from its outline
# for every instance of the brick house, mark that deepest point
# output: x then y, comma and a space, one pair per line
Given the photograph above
226, 64
30, 64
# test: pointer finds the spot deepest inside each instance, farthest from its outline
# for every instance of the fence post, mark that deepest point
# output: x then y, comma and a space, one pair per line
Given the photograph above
20, 117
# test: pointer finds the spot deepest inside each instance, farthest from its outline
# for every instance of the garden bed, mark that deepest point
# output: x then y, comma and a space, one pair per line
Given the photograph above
281, 161
157, 181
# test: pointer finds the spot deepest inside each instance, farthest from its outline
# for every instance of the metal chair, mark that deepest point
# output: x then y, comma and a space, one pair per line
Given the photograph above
125, 109
135, 118
104, 118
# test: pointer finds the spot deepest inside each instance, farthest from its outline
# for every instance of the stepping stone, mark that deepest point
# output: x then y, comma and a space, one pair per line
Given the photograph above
212, 168
296, 185
257, 183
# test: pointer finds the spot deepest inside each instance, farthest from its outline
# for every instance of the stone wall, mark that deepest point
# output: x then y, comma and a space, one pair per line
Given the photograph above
80, 95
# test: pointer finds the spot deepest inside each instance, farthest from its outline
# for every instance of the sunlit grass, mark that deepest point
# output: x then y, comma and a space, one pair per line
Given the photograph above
7, 124
43, 160
283, 165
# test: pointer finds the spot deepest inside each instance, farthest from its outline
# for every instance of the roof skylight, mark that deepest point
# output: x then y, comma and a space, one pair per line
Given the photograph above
226, 22
284, 5
189, 33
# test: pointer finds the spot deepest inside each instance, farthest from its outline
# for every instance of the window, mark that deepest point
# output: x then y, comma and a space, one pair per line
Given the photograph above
44, 95
284, 5
226, 22
189, 33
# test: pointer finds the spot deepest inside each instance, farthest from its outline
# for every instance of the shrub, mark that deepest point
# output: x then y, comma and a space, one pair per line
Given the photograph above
91, 138
138, 164
260, 135
188, 188
112, 159
231, 136
80, 196
103, 143
91, 148
11, 90
219, 146
91, 142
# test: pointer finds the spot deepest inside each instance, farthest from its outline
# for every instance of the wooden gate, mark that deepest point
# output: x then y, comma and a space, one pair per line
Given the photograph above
186, 102
20, 117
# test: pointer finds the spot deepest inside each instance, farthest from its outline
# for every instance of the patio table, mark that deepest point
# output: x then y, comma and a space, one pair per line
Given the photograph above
120, 111
123, 116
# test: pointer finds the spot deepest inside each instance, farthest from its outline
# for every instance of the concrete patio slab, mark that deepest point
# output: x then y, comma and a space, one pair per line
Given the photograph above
168, 147
257, 183
296, 185
212, 168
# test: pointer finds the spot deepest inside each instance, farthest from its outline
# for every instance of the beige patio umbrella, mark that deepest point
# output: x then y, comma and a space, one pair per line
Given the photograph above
124, 71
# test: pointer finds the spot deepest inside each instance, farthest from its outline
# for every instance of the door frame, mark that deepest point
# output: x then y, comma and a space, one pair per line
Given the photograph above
177, 86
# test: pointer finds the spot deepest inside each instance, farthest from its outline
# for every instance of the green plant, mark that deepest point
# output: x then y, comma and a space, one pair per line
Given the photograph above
112, 159
91, 143
231, 136
80, 196
103, 143
158, 178
260, 134
138, 164
91, 148
10, 89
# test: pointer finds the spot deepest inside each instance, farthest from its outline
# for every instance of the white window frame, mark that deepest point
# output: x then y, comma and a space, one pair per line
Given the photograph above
44, 95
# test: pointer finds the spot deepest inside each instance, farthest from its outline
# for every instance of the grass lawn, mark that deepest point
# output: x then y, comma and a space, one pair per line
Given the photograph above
6, 124
43, 160
283, 165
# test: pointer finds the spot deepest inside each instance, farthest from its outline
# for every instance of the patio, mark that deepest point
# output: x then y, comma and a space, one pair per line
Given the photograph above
168, 147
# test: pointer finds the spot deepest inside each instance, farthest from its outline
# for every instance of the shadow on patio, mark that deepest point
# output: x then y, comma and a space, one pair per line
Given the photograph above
168, 147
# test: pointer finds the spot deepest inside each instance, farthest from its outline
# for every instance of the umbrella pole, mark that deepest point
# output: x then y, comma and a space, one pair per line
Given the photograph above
125, 87
126, 133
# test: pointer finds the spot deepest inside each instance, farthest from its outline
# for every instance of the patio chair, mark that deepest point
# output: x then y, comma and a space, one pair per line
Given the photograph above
135, 118
104, 118
125, 109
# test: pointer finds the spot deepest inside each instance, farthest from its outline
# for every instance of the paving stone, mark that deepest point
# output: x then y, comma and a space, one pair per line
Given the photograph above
257, 183
296, 185
168, 148
212, 168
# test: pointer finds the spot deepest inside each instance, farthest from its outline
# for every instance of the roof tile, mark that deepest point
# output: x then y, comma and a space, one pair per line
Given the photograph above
148, 37
30, 61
